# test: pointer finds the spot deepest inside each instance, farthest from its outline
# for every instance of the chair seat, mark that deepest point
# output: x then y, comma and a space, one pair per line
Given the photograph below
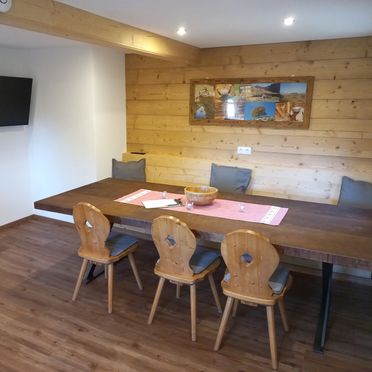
202, 258
119, 243
277, 281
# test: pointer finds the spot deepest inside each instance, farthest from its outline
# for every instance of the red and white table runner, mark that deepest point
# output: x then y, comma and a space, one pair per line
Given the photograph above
230, 209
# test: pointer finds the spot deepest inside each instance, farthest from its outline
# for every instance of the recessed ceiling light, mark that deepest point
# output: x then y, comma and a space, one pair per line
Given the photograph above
288, 21
181, 31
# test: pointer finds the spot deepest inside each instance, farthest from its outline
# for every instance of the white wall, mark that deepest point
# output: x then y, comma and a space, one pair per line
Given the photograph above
62, 149
15, 191
110, 113
77, 124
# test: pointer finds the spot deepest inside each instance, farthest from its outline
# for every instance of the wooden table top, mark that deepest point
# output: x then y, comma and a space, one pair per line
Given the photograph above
315, 231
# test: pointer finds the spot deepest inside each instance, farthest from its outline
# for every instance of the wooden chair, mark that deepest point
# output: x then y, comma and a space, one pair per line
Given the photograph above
99, 246
181, 262
251, 260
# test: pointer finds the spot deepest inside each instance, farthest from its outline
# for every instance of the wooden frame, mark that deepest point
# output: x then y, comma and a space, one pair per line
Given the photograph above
281, 102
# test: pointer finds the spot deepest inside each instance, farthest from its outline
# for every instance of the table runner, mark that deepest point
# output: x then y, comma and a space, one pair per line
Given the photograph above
221, 208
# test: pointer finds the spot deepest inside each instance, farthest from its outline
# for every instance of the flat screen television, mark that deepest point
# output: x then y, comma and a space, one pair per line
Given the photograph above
15, 98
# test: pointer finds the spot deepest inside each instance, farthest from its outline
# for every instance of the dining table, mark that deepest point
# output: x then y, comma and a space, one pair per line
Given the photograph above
325, 233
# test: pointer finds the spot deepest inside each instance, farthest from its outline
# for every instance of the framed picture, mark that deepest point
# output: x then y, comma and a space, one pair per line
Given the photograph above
259, 102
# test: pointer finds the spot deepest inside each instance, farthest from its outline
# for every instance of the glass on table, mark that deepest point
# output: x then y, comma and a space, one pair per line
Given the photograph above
189, 205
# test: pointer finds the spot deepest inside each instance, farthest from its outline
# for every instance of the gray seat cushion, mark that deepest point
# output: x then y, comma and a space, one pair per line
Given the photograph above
202, 258
118, 243
278, 279
131, 170
355, 193
230, 179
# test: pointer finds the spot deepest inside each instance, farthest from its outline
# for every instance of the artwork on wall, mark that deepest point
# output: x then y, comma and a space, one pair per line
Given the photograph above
265, 102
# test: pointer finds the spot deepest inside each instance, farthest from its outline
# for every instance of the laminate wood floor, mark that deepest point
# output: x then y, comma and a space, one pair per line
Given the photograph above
41, 329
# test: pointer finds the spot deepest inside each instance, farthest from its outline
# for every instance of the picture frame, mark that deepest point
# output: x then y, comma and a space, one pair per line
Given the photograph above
274, 102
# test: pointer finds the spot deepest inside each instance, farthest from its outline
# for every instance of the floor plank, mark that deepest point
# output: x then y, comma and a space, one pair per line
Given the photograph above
41, 329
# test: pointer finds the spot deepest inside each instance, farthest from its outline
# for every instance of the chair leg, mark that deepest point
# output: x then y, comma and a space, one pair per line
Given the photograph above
193, 311
214, 291
80, 278
110, 285
272, 336
178, 290
225, 318
105, 267
283, 314
235, 308
156, 300
135, 271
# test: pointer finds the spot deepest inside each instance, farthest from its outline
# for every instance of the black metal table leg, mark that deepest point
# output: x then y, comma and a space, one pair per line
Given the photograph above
91, 276
321, 330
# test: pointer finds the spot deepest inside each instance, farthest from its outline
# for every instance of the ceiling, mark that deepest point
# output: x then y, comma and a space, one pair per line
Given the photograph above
213, 23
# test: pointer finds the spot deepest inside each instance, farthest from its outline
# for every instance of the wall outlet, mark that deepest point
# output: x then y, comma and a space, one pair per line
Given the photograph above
244, 150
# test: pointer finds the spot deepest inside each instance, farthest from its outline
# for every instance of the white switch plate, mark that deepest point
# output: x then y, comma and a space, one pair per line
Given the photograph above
244, 150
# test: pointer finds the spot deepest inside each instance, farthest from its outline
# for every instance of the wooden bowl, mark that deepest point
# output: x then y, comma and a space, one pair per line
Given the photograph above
201, 195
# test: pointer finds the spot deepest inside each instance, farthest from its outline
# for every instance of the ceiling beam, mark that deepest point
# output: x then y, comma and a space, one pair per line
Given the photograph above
58, 19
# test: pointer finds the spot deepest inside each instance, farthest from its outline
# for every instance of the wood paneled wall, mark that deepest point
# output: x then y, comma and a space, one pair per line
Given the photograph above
296, 164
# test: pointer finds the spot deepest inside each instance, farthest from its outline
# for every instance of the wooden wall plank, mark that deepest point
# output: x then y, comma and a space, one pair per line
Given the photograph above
268, 143
161, 107
342, 109
181, 123
160, 91
202, 163
287, 52
283, 52
341, 124
137, 61
343, 89
324, 69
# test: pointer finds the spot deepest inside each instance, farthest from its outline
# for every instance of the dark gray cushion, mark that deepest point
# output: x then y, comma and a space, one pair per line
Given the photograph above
202, 258
279, 279
230, 179
119, 243
131, 170
355, 193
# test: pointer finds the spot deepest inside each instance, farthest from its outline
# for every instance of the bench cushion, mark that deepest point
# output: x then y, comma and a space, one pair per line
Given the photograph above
118, 243
278, 279
355, 193
202, 258
131, 170
230, 179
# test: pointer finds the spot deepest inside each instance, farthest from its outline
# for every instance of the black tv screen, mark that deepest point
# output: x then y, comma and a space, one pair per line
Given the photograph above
15, 98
